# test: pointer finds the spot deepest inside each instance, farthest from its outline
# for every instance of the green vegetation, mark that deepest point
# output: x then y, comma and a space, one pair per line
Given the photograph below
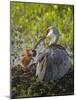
29, 22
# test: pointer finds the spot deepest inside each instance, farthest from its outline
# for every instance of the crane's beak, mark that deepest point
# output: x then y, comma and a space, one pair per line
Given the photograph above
49, 33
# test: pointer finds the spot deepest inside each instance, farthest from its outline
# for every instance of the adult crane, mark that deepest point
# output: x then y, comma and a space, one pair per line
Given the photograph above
53, 63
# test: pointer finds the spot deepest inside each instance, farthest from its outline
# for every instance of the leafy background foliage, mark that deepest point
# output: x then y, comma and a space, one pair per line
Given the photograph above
29, 22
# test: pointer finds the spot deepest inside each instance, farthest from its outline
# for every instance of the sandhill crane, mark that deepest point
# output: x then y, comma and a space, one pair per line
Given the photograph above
53, 63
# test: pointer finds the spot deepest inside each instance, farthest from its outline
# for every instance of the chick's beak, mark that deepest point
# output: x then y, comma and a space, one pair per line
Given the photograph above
30, 52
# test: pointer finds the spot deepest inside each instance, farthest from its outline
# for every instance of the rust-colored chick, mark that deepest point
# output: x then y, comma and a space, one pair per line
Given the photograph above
26, 58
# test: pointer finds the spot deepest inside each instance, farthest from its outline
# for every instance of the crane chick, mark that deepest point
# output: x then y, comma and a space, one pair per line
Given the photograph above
26, 58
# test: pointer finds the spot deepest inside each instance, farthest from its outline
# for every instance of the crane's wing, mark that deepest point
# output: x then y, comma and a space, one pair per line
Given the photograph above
58, 64
53, 64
